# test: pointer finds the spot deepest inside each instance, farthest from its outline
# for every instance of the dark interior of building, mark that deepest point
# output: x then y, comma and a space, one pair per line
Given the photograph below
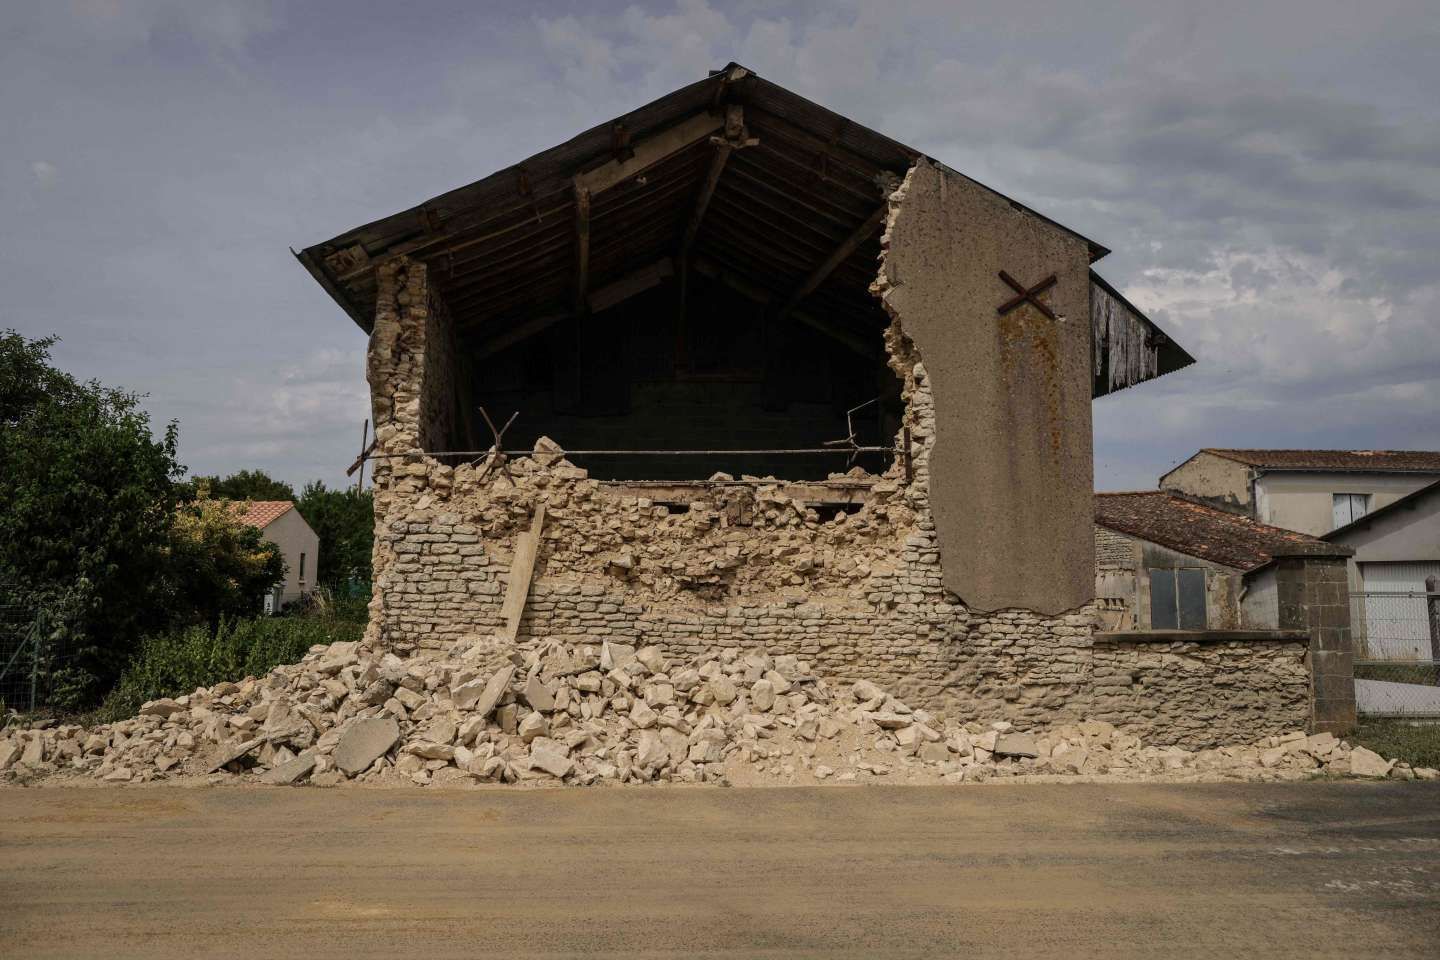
717, 374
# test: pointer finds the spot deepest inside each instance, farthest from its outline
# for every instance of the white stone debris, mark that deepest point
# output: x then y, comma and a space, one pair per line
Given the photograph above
585, 714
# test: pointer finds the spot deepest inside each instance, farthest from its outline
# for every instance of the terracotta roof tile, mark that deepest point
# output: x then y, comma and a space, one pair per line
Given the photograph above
261, 513
1423, 461
1200, 530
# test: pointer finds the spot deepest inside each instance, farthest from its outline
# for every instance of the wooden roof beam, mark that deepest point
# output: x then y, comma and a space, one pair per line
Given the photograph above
736, 138
648, 152
582, 246
848, 246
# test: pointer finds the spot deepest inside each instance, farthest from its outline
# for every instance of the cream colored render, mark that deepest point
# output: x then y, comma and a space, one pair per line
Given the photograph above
1304, 501
1214, 478
1011, 472
293, 536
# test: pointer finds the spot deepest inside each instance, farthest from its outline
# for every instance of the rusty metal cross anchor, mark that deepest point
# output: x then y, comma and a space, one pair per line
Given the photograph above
496, 456
1023, 295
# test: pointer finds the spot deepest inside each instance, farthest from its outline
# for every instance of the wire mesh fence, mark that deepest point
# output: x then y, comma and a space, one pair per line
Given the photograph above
36, 652
1397, 652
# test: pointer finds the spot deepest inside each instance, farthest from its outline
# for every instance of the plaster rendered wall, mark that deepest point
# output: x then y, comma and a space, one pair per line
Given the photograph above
1304, 501
1011, 492
1212, 478
1403, 536
293, 536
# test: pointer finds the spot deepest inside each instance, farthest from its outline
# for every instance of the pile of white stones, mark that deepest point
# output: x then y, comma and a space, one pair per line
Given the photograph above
610, 713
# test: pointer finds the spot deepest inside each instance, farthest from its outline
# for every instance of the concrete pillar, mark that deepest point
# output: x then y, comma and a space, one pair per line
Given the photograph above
1314, 596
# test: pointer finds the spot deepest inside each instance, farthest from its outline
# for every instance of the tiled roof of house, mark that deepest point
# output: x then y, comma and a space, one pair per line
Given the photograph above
1423, 461
1200, 530
261, 513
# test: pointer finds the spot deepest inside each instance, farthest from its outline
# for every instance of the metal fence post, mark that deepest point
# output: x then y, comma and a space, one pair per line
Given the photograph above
34, 661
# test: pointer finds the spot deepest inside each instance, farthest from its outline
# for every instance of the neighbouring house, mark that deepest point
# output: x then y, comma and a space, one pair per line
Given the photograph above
776, 380
1165, 561
1395, 578
1312, 491
279, 522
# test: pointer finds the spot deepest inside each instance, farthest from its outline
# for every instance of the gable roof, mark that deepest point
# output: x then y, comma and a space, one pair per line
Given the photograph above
502, 250
1360, 461
261, 513
1200, 530
1407, 502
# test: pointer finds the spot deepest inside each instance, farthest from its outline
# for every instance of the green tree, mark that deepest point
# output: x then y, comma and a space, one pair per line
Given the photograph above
344, 520
218, 566
89, 498
243, 485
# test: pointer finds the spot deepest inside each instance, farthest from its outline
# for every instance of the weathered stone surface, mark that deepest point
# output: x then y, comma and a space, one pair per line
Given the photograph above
537, 696
494, 689
551, 756
762, 694
1015, 745
651, 751
163, 707
230, 752
533, 725
364, 742
291, 771
1368, 763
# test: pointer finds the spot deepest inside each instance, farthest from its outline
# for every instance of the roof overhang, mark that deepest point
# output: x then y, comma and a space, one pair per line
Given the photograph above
802, 186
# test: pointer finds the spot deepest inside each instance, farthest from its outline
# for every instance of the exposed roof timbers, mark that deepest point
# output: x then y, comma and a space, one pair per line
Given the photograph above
732, 177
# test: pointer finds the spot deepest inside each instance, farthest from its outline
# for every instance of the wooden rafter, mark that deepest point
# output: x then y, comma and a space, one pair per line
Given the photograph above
582, 246
841, 253
735, 139
648, 152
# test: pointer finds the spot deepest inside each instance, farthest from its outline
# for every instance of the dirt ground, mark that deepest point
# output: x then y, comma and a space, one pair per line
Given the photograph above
1038, 870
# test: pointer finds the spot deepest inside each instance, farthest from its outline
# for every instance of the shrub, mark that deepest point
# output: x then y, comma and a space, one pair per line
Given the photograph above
175, 663
1415, 742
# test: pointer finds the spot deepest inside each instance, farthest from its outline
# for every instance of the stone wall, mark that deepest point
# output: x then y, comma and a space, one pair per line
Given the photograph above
862, 594
1313, 594
1222, 687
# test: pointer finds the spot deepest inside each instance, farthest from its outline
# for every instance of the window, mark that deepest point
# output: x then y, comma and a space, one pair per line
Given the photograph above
302, 568
1350, 507
1177, 599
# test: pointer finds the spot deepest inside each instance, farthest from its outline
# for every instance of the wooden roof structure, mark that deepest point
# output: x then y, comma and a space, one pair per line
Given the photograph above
732, 177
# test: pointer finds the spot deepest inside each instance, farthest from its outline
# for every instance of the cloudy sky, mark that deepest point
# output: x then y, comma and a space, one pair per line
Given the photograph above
1268, 174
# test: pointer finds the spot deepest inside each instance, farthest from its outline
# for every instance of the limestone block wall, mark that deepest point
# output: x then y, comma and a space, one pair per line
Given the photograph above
1207, 691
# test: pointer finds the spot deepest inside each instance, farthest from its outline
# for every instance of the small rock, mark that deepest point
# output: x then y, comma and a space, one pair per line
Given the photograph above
163, 707
538, 695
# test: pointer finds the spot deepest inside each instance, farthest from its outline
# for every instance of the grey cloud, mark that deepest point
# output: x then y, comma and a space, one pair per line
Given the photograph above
1268, 176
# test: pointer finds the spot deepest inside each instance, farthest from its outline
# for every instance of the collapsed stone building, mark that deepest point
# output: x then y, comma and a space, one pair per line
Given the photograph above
776, 381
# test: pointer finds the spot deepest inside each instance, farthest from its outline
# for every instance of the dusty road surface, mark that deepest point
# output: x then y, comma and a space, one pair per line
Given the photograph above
1246, 870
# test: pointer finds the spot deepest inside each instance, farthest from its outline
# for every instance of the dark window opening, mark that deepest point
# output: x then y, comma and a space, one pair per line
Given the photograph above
1177, 599
721, 374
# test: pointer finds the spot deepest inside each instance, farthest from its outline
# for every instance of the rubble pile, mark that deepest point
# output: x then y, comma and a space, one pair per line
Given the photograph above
610, 713
731, 540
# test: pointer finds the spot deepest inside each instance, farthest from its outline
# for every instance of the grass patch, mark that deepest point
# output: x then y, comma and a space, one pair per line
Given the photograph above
1415, 742
172, 664
1422, 673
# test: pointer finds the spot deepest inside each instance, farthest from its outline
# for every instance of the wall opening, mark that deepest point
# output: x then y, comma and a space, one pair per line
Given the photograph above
716, 373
